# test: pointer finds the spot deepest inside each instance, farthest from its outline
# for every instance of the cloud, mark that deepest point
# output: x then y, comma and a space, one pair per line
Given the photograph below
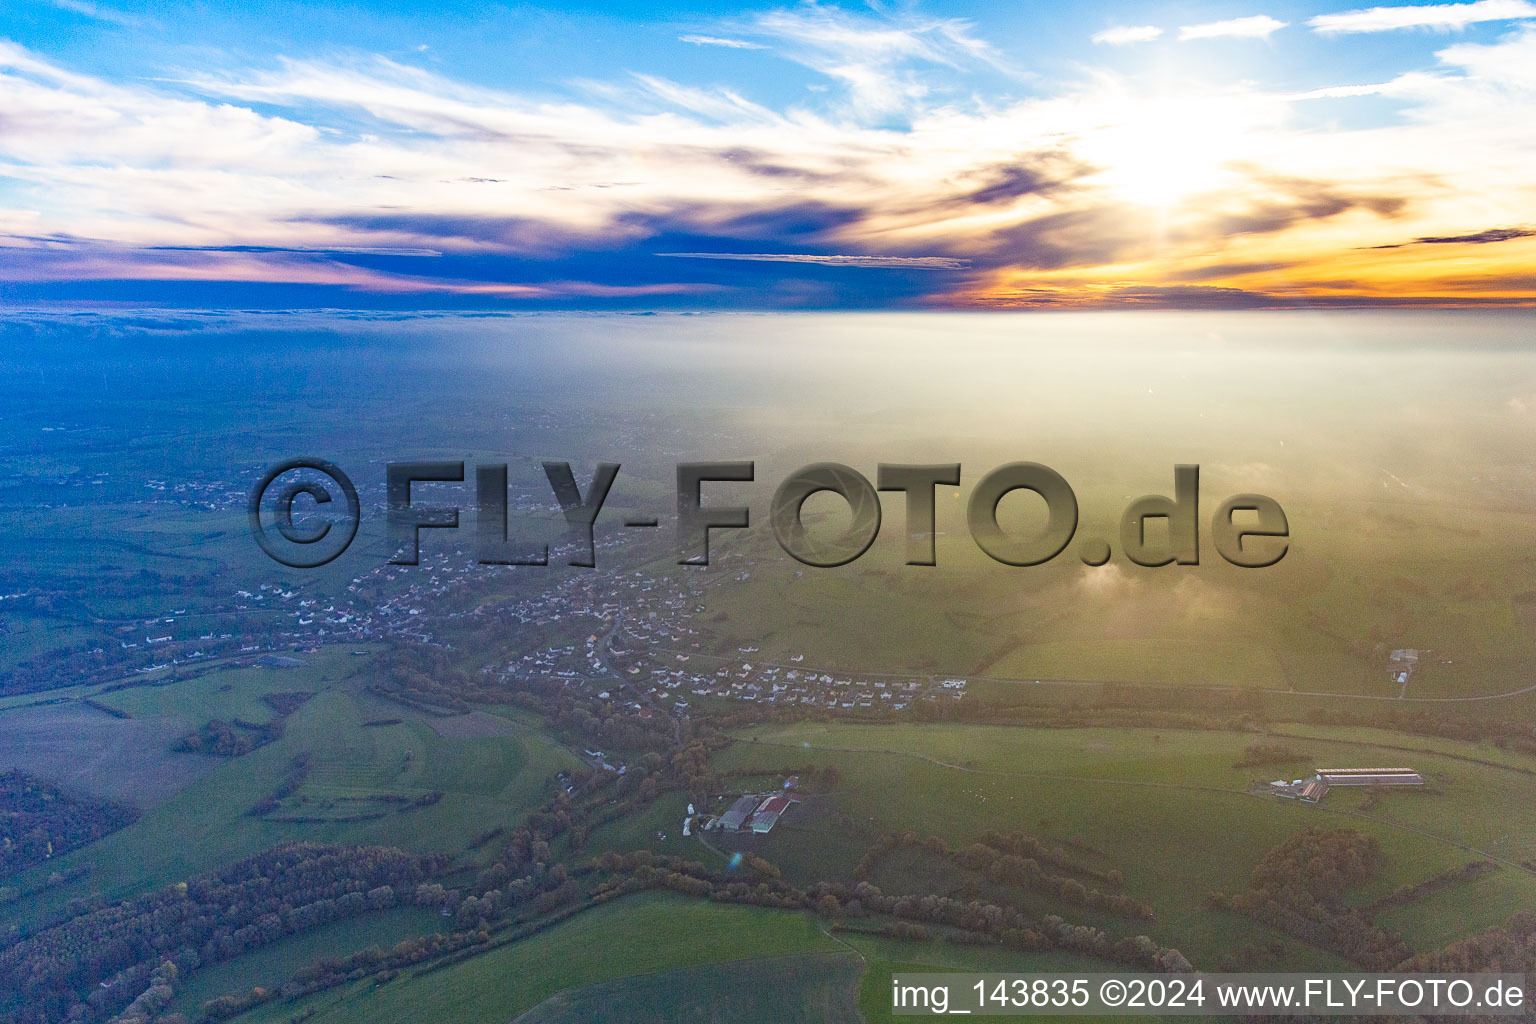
1032, 175
1120, 35
1334, 92
1217, 271
733, 44
97, 12
341, 250
1259, 26
1445, 17
1474, 238
873, 262
105, 262
349, 171
876, 59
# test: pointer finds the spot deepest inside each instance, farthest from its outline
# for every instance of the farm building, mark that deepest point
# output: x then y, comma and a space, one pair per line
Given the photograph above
739, 812
768, 814
1308, 791
1311, 790
1370, 777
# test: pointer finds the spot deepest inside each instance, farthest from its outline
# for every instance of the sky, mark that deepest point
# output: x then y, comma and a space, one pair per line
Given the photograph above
706, 156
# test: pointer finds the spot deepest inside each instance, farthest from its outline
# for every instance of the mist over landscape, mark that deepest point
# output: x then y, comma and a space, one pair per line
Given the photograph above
1398, 445
166, 678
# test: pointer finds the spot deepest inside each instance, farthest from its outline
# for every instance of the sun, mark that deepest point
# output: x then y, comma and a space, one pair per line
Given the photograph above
1161, 151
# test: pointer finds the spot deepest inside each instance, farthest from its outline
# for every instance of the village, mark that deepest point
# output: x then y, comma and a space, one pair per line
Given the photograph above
644, 642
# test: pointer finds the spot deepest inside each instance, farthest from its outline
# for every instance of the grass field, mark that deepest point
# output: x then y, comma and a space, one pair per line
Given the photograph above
633, 936
885, 957
272, 965
1451, 913
1362, 577
1166, 808
811, 988
232, 692
485, 782
128, 760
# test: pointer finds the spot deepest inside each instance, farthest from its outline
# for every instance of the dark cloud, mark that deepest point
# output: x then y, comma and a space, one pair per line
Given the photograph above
759, 163
1111, 232
1511, 282
1073, 238
1475, 238
1211, 298
333, 250
1236, 298
1196, 297
1011, 182
1286, 202
1030, 174
868, 262
787, 223
512, 234
783, 223
1217, 270
1309, 201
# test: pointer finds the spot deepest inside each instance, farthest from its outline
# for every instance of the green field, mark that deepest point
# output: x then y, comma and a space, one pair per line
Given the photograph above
1107, 795
272, 965
486, 782
811, 988
886, 957
637, 935
1166, 808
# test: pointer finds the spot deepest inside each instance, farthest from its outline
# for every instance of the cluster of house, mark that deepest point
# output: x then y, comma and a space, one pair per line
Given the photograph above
649, 642
1312, 789
647, 646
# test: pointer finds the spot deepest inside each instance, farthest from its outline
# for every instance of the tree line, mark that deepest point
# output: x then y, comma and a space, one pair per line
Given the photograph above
101, 958
1016, 859
964, 920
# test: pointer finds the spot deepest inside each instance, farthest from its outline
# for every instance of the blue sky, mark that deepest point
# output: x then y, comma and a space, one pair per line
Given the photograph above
863, 155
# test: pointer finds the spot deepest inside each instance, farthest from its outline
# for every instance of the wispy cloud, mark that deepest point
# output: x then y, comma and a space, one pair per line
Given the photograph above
876, 58
872, 262
1335, 92
1445, 17
733, 44
1120, 35
334, 250
1258, 26
97, 12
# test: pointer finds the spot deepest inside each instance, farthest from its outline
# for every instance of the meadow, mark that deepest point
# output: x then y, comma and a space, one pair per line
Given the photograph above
808, 988
1121, 791
635, 936
485, 782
